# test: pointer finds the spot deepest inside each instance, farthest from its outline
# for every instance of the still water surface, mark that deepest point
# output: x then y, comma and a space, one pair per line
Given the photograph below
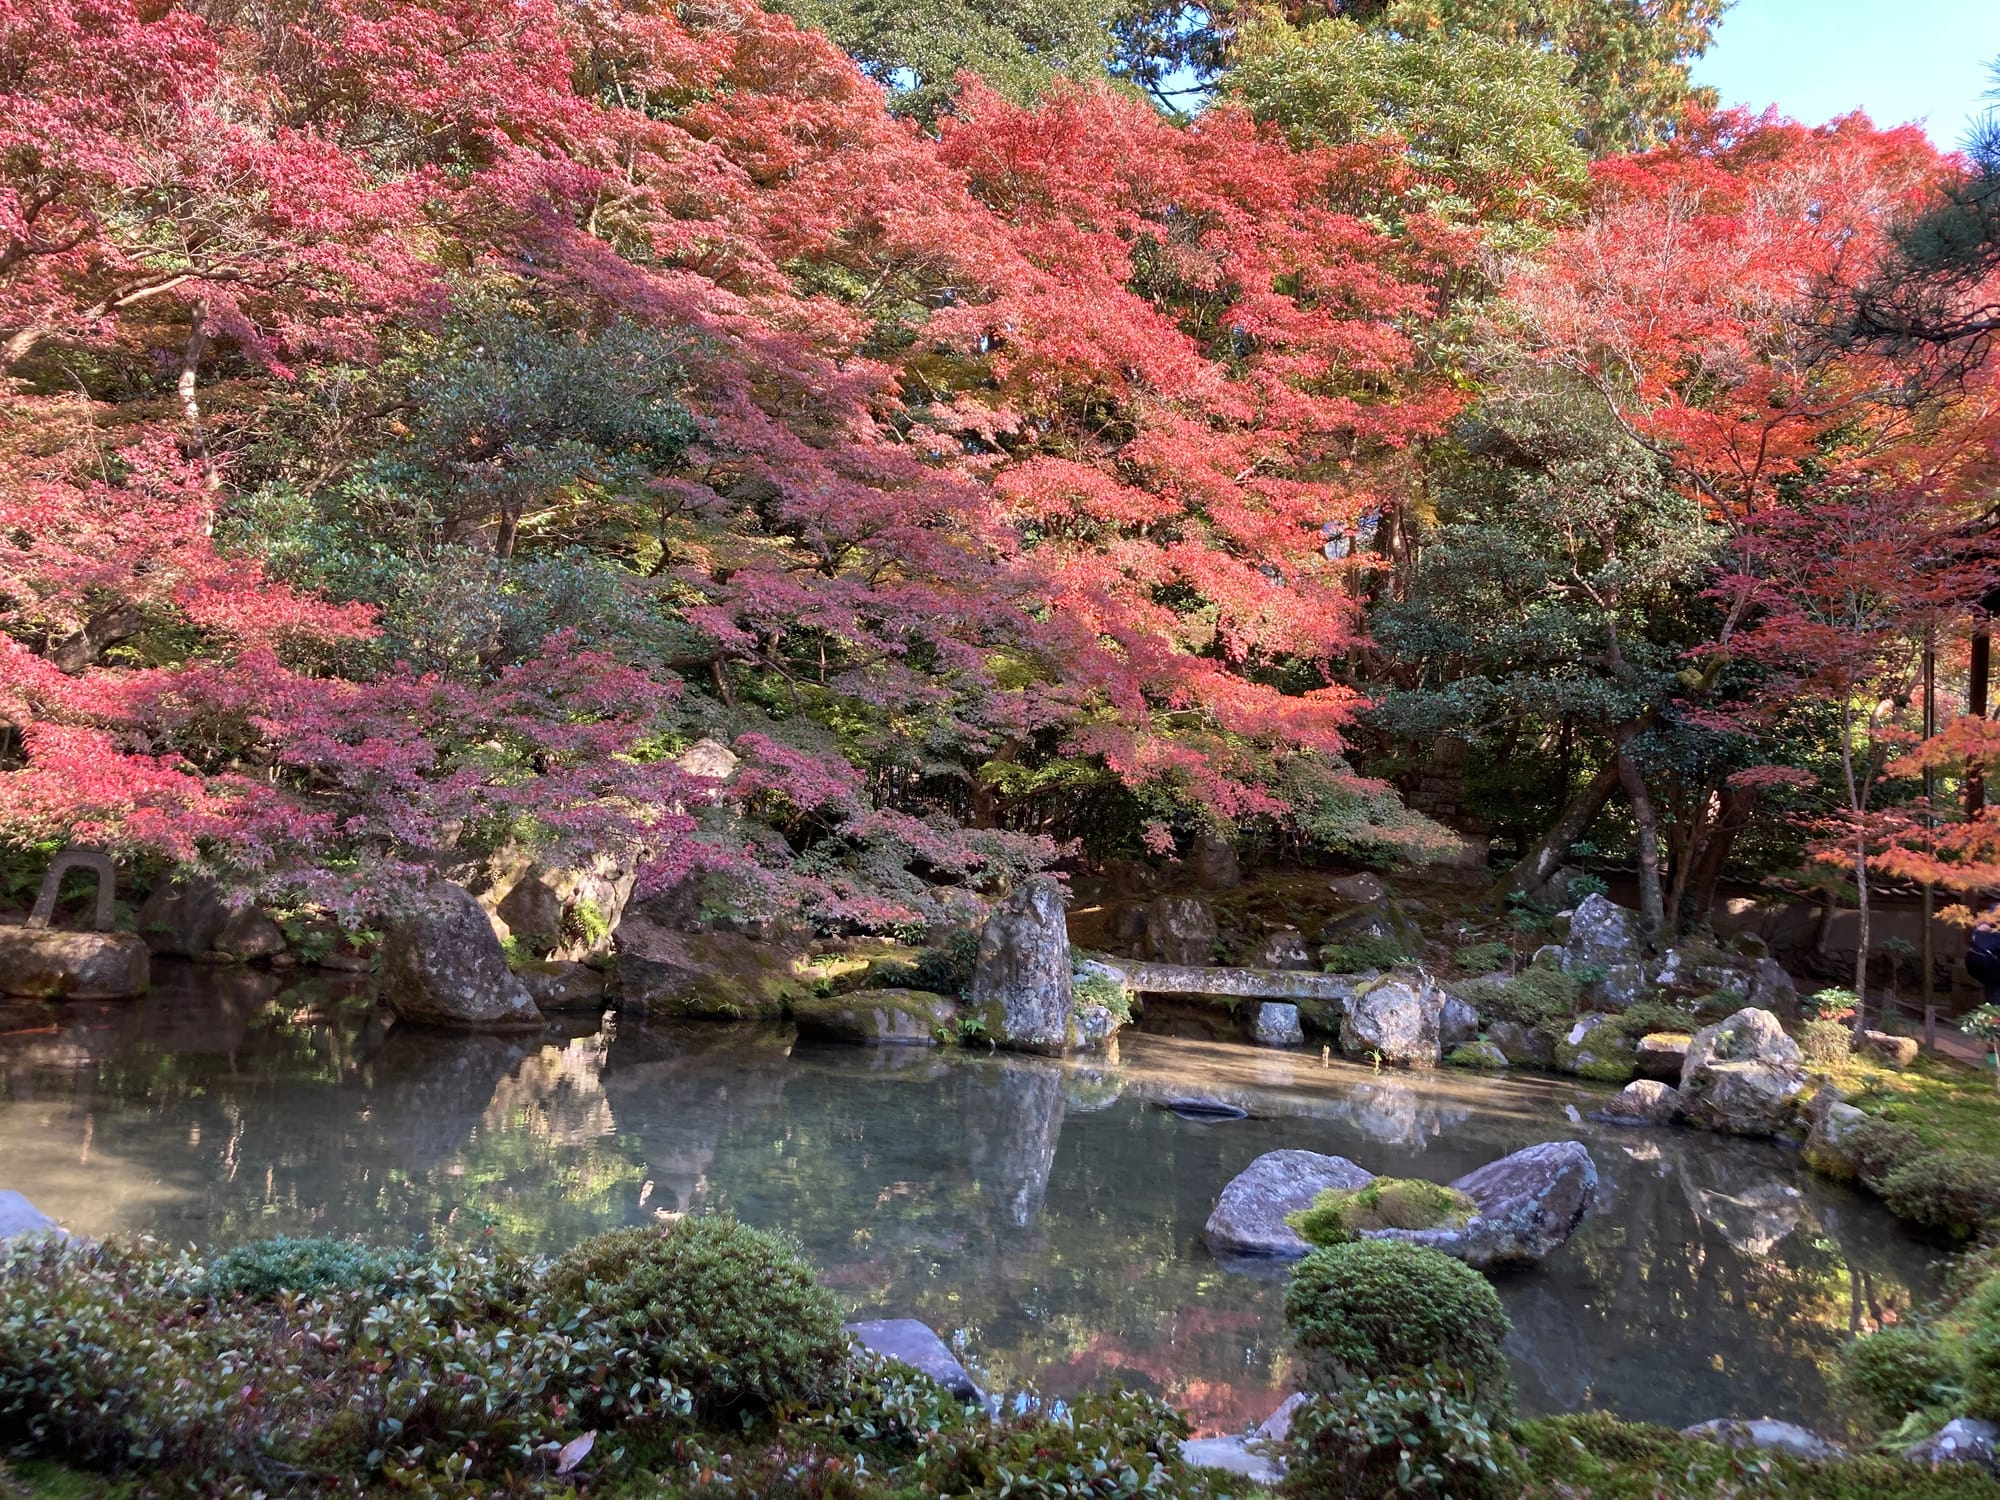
1051, 1215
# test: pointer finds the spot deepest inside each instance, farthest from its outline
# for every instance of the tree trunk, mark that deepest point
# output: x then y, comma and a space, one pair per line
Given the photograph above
1737, 805
1977, 675
1861, 933
1652, 910
1534, 868
185, 390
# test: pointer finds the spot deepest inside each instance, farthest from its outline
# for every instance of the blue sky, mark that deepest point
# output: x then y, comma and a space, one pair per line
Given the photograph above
1900, 60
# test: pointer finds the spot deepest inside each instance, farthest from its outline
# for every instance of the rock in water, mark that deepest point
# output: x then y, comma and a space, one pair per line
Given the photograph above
1646, 1102
1529, 1205
444, 967
1662, 1055
1396, 1019
1831, 1144
563, 984
182, 919
879, 1018
19, 1217
1205, 1111
1180, 930
1741, 1075
1021, 984
1249, 1217
47, 964
910, 1342
1277, 1025
1523, 1046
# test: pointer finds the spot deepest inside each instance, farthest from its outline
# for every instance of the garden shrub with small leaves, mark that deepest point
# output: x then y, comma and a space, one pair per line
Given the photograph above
1399, 1437
1956, 1193
1826, 1043
1893, 1372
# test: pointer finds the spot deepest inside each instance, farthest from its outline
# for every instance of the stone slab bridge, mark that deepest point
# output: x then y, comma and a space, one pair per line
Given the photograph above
1248, 984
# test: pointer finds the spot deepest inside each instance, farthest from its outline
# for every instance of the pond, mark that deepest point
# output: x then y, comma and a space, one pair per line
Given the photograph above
1049, 1214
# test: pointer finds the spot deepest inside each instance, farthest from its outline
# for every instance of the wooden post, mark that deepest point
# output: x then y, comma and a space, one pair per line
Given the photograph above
1930, 1028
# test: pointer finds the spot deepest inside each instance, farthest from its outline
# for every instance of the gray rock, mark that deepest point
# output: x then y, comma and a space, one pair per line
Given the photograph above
1249, 1217
1233, 1455
1963, 1440
1604, 937
1284, 949
1523, 1046
1830, 1143
1212, 862
1477, 1053
1529, 1205
1661, 1055
1646, 1101
1277, 1427
1396, 1019
565, 910
666, 970
1277, 1025
182, 919
1771, 988
709, 759
1766, 1435
47, 963
1741, 1075
1457, 1022
1203, 1109
911, 1342
1358, 890
1180, 930
19, 1217
563, 984
250, 933
1022, 979
1095, 1029
878, 1018
444, 967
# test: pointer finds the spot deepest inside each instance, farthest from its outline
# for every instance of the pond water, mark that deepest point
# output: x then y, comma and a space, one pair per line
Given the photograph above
1049, 1214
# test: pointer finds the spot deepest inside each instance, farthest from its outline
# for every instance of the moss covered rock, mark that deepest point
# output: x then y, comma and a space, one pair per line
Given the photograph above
1478, 1053
880, 1018
1339, 1215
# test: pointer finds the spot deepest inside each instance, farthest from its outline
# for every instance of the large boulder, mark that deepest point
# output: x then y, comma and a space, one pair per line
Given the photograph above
1661, 1055
443, 966
1593, 1048
1021, 982
1249, 1217
182, 919
1396, 1019
1742, 1075
706, 974
1458, 1022
563, 984
910, 1342
250, 933
48, 964
879, 1018
1644, 1102
1212, 862
1832, 1142
1180, 930
1523, 1046
1605, 943
558, 910
1529, 1205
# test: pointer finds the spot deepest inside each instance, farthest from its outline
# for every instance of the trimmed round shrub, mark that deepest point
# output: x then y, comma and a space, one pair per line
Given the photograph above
305, 1266
1951, 1192
1376, 1310
1880, 1146
1399, 1437
727, 1311
1337, 1216
1887, 1375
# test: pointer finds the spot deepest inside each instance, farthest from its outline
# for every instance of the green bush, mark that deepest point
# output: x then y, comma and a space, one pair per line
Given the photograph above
1355, 954
1482, 958
1887, 1375
1398, 1437
1650, 1017
1090, 987
1337, 1216
264, 1268
1826, 1044
1536, 997
1122, 1446
1377, 1310
1880, 1146
1952, 1192
728, 1311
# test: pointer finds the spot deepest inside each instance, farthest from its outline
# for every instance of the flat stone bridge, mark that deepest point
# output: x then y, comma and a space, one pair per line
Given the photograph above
1249, 984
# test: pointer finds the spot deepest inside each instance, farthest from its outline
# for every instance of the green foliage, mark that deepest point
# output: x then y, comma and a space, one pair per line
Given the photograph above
264, 1268
1891, 1373
1399, 1437
1090, 987
943, 968
1482, 958
1357, 954
1651, 1017
1952, 1192
1983, 1022
1337, 1216
728, 1311
1376, 1310
1826, 1044
1830, 1004
1122, 1446
1536, 997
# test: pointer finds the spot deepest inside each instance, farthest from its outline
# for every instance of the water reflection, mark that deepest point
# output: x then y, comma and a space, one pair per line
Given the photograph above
1053, 1213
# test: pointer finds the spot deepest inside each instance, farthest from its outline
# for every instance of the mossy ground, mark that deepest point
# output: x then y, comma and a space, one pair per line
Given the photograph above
1950, 1106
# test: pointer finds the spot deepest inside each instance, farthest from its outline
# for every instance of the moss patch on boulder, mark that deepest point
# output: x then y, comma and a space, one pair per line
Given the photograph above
1339, 1215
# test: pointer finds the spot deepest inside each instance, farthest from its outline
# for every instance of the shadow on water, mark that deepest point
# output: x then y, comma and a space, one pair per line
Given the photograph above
1052, 1213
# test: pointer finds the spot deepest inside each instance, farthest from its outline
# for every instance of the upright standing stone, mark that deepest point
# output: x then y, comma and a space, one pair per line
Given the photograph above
1021, 985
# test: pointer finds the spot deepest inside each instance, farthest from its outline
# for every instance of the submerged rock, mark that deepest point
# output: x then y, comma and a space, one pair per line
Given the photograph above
1021, 984
1396, 1020
1233, 1455
1249, 1217
879, 1018
443, 967
1529, 1205
19, 1217
1741, 1075
1767, 1435
1277, 1025
911, 1342
45, 963
1204, 1110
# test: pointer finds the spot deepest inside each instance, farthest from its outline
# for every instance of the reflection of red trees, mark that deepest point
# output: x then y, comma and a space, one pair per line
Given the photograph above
1212, 1405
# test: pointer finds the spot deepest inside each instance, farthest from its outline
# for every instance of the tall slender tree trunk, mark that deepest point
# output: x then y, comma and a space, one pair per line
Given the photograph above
1652, 909
1978, 673
1534, 868
186, 390
1861, 906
